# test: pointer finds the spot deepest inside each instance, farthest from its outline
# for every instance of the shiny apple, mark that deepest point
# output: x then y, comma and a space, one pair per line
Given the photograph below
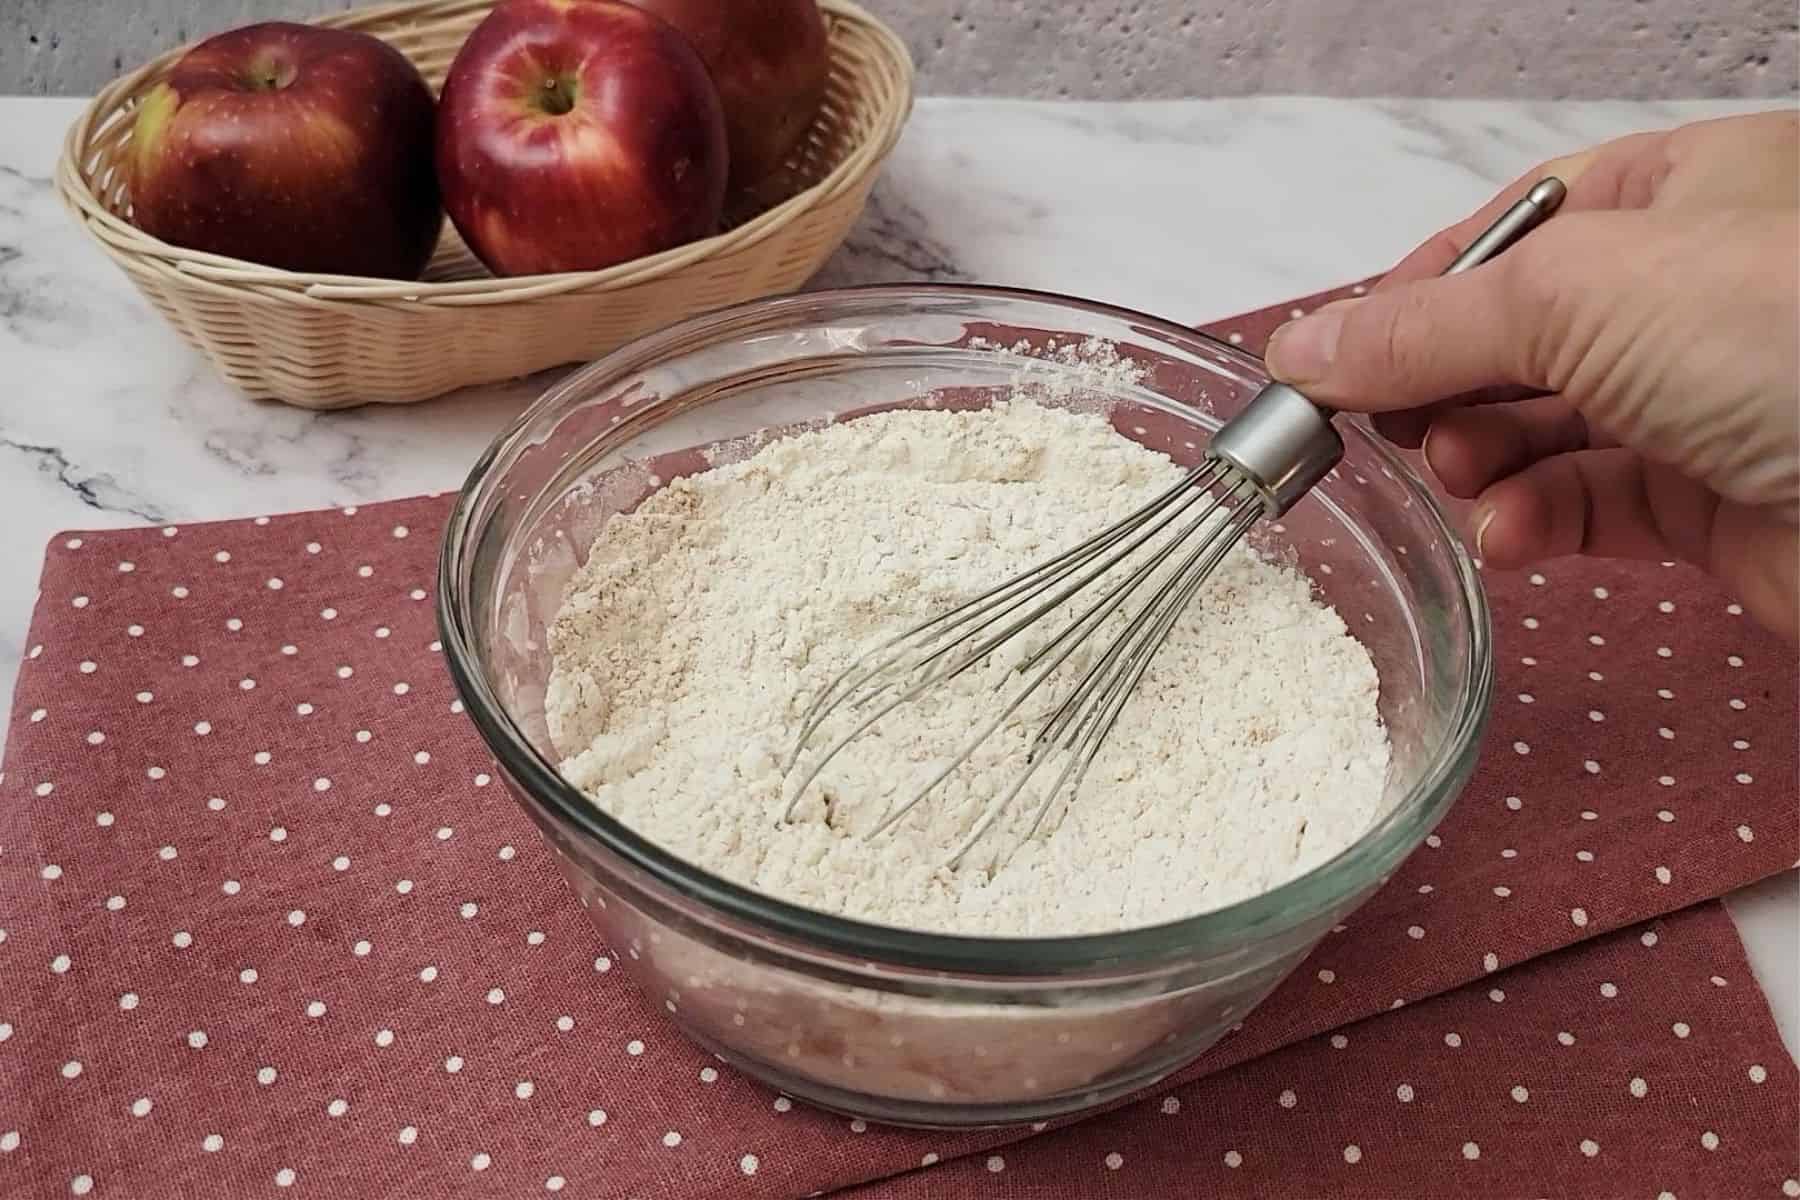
293, 146
577, 134
770, 60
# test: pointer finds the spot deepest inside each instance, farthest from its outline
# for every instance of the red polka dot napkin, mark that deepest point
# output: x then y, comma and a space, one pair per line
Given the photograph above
1637, 1064
271, 926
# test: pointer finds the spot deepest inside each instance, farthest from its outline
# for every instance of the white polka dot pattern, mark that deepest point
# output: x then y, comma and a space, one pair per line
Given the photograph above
1495, 1116
305, 904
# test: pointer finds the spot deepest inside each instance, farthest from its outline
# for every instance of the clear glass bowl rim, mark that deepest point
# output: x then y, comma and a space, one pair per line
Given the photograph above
1366, 861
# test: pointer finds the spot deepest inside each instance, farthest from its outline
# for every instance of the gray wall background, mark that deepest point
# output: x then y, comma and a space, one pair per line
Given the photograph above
1130, 49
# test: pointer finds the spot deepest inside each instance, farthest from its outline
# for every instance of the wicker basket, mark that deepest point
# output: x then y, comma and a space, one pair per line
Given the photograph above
322, 341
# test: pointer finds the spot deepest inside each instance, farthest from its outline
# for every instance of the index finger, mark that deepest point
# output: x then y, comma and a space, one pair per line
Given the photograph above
1596, 179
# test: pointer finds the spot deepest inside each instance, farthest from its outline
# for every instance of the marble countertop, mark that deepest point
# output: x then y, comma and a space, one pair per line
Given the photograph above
107, 419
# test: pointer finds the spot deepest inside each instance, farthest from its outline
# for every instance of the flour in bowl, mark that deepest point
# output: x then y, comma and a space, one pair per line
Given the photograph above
703, 623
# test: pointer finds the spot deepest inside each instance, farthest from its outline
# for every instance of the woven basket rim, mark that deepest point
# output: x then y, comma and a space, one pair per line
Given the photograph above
123, 240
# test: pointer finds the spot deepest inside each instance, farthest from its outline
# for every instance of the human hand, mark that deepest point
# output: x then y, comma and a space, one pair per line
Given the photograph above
1625, 381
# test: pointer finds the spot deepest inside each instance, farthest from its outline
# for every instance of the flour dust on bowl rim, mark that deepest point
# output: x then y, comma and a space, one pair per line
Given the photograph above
893, 1024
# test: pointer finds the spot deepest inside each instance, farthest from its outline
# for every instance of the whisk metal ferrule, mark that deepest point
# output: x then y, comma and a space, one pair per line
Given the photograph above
1282, 443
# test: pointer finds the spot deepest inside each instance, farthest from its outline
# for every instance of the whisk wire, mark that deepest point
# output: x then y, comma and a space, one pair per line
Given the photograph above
1027, 586
1046, 574
1199, 495
1107, 683
1149, 634
1259, 463
1081, 722
1075, 697
1092, 617
1081, 738
1133, 647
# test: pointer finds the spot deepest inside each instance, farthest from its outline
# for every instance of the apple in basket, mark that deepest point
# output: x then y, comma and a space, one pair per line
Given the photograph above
577, 134
771, 61
294, 146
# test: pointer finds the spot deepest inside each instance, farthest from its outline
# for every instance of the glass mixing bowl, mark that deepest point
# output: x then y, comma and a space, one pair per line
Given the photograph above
892, 1024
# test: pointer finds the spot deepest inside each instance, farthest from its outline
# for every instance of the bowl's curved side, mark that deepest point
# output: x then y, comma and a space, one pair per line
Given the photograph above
713, 951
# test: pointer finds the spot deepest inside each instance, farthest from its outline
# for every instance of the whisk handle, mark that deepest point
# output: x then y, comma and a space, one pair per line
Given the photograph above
1283, 443
1521, 217
1526, 214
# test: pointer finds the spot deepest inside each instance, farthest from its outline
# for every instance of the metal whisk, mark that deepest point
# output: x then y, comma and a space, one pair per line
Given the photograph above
1258, 465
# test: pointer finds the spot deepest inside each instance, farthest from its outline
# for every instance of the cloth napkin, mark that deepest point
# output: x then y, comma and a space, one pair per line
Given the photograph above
272, 926
1627, 1065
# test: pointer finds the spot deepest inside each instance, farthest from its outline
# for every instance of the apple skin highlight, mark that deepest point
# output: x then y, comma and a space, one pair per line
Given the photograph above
574, 135
293, 146
771, 61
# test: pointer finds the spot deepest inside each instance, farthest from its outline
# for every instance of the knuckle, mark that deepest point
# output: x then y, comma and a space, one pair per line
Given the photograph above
1540, 294
1405, 335
1532, 272
1387, 347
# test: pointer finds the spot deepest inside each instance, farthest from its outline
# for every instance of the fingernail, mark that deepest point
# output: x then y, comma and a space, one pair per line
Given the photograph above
1484, 517
1301, 351
1425, 456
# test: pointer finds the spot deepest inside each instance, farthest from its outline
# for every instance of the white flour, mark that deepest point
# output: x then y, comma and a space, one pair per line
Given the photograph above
704, 622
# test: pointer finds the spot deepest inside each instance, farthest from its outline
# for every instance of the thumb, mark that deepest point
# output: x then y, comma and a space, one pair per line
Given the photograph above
1413, 343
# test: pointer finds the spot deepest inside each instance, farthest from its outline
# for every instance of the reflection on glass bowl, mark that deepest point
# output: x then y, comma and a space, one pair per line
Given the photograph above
900, 1025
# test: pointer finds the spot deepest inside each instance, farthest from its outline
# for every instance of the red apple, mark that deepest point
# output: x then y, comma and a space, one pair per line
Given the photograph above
577, 134
770, 60
294, 146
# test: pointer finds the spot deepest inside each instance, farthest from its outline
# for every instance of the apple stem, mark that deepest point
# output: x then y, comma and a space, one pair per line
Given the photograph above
268, 76
559, 95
